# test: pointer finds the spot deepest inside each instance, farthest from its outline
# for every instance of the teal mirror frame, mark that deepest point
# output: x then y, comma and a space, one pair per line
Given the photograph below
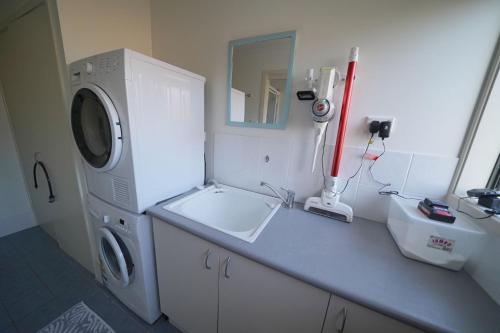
281, 124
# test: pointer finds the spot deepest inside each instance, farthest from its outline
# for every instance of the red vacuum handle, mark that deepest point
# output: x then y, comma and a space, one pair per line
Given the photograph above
351, 70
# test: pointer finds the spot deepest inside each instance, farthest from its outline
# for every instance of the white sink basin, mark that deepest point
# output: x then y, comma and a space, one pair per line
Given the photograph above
242, 214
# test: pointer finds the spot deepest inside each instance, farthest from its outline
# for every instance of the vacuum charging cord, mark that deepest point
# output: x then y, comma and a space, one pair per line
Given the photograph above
385, 185
489, 212
370, 141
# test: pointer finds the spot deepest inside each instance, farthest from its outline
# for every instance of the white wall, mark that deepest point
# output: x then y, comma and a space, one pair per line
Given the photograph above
94, 26
413, 65
15, 207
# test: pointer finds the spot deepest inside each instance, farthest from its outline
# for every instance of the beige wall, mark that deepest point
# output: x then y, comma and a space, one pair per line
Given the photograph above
29, 70
15, 206
95, 26
420, 61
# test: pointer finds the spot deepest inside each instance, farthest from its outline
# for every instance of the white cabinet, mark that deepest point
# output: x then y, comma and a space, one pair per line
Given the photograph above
204, 289
188, 277
347, 317
207, 289
254, 298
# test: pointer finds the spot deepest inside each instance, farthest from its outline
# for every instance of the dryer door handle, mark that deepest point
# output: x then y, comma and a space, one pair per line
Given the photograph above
105, 233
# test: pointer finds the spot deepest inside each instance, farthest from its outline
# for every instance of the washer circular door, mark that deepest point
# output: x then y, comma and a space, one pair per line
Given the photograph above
115, 257
96, 127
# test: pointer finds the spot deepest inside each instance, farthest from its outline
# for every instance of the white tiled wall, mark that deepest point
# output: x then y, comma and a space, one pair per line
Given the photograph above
241, 161
430, 175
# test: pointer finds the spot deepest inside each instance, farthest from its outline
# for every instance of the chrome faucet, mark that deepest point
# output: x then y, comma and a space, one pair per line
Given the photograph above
290, 195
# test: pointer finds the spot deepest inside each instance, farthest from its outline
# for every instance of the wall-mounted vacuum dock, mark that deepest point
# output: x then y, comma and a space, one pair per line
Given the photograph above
322, 112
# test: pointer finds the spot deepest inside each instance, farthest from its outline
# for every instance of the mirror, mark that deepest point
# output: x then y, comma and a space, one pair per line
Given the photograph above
260, 80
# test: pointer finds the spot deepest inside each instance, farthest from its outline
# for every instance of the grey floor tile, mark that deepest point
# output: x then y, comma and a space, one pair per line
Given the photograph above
39, 282
4, 318
113, 314
7, 251
10, 258
69, 281
28, 302
42, 316
18, 284
9, 329
31, 239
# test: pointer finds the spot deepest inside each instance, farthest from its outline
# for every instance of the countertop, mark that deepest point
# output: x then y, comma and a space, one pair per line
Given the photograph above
360, 262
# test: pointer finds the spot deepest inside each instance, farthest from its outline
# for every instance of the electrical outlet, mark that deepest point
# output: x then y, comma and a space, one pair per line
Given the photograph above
369, 119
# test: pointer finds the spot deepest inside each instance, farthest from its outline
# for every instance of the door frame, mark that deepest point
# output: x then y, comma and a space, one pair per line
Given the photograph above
63, 73
65, 87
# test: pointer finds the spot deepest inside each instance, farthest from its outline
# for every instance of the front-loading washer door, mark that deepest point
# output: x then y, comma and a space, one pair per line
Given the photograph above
96, 127
115, 257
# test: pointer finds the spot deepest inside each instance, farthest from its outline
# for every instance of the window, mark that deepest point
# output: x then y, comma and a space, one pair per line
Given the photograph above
479, 161
494, 181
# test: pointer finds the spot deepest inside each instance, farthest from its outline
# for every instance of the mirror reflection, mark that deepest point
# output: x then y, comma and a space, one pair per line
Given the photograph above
259, 88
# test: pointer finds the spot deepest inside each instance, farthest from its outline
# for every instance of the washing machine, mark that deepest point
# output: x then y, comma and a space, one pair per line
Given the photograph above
126, 254
139, 125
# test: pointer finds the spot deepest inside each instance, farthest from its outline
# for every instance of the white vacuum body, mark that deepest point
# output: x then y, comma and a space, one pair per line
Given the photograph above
323, 108
322, 111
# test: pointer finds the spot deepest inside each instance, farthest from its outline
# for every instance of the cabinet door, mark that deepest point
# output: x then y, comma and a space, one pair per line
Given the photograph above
347, 317
254, 298
188, 273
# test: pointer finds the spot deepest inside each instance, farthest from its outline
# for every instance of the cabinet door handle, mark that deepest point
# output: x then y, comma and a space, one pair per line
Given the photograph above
207, 255
342, 322
226, 269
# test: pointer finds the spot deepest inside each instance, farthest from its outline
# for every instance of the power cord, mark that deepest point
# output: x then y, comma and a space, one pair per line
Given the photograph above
490, 214
370, 141
396, 193
384, 185
357, 171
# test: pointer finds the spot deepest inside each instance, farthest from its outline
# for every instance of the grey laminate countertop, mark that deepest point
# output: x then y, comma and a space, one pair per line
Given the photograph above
360, 262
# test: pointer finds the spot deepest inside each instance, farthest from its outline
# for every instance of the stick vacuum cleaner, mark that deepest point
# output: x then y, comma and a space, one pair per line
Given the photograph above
328, 204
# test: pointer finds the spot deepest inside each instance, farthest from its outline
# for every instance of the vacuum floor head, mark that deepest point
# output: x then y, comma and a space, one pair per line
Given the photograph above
338, 210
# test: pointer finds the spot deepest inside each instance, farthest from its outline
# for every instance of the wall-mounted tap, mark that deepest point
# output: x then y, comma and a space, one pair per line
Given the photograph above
52, 198
290, 195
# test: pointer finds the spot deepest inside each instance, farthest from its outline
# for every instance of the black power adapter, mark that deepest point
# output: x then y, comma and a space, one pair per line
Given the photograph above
374, 127
385, 129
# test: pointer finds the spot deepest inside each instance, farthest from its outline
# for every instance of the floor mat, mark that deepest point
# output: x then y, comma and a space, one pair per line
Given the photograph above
78, 319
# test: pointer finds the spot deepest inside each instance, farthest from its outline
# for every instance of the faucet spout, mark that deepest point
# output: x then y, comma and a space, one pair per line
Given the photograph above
290, 195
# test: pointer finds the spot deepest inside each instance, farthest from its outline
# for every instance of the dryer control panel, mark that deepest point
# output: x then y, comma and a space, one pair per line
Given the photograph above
109, 63
123, 225
98, 68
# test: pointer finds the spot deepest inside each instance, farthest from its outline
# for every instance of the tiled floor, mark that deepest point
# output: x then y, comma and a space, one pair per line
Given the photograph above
38, 282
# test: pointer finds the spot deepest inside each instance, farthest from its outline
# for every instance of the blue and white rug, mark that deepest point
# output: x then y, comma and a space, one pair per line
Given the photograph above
78, 319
